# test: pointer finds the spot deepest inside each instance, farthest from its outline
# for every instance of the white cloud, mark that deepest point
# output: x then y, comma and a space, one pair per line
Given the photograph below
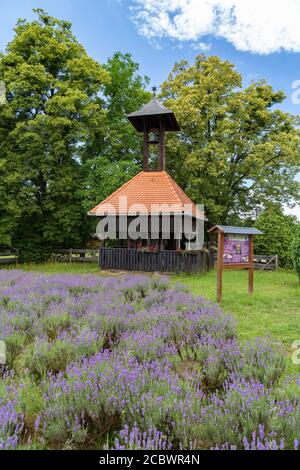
295, 211
260, 26
201, 46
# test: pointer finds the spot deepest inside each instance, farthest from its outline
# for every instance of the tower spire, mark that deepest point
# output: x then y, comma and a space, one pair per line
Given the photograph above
154, 119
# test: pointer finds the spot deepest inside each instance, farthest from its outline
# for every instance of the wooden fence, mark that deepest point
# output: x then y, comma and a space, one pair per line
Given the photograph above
263, 262
161, 261
73, 255
136, 260
266, 262
9, 256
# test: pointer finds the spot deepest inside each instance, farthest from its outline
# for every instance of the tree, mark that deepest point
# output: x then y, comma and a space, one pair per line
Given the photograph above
235, 152
295, 249
114, 159
278, 232
52, 111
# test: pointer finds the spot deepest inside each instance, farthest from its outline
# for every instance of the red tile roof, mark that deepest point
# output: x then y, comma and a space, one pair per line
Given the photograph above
155, 192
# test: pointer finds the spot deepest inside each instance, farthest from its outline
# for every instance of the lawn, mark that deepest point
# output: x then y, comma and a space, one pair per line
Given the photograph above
274, 307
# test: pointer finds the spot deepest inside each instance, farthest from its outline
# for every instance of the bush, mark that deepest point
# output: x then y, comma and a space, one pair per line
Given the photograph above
295, 250
129, 362
261, 360
278, 231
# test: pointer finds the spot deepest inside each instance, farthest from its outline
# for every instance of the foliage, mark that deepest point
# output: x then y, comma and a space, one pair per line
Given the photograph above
133, 439
235, 151
11, 425
244, 408
296, 250
114, 156
52, 109
65, 142
132, 362
278, 232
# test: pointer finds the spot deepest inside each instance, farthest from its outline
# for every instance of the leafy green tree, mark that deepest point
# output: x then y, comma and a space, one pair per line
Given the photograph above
278, 232
113, 157
295, 249
52, 111
235, 152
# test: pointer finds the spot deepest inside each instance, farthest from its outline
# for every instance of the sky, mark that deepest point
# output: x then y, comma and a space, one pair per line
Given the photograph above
261, 37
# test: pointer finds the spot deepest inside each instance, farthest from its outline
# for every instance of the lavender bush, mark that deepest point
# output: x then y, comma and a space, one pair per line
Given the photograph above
131, 362
135, 439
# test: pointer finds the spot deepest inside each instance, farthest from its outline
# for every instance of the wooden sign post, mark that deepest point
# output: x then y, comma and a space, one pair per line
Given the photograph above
235, 251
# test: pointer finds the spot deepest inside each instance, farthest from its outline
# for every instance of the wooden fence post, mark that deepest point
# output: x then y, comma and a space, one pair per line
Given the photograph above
70, 256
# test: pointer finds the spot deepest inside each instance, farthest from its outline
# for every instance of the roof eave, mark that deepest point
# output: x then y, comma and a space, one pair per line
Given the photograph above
238, 231
135, 214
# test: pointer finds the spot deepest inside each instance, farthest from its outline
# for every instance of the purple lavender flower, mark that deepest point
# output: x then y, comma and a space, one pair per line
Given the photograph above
96, 354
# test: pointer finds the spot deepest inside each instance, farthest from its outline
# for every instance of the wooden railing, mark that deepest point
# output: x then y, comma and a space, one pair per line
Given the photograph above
9, 256
263, 262
266, 262
161, 261
136, 260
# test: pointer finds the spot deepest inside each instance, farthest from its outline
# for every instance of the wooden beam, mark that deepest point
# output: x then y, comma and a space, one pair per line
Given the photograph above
146, 149
250, 270
161, 157
220, 265
146, 152
236, 266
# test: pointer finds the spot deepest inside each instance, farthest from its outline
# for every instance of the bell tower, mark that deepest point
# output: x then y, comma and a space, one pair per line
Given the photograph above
154, 119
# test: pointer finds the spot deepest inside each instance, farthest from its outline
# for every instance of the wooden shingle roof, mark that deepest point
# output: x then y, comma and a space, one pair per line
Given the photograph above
154, 191
153, 109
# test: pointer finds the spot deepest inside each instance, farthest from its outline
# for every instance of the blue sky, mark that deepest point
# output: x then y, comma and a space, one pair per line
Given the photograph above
105, 26
261, 37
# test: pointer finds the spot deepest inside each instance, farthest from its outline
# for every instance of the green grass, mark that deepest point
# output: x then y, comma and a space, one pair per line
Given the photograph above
273, 309
61, 268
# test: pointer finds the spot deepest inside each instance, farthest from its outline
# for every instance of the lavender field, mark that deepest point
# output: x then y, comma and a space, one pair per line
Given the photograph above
131, 362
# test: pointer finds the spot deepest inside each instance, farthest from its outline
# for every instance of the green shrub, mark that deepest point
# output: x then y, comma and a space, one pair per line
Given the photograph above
53, 325
295, 250
15, 343
278, 231
43, 356
262, 360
